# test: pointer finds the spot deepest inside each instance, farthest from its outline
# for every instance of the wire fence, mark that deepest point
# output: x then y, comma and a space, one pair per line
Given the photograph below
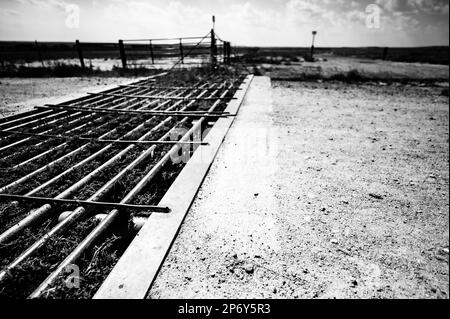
161, 53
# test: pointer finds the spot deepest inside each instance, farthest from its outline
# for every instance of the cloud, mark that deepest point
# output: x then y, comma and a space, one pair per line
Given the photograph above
8, 12
414, 6
246, 22
58, 4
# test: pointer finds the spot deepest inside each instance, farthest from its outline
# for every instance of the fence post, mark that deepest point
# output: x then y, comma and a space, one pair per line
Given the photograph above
80, 53
213, 48
122, 54
181, 52
151, 52
39, 53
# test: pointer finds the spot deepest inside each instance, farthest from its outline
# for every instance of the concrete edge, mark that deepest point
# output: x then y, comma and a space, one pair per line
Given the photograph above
138, 267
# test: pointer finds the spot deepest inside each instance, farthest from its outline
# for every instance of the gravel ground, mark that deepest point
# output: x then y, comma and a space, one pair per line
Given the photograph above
351, 201
22, 94
366, 67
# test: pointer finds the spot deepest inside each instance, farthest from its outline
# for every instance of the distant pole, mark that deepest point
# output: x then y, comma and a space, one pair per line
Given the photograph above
39, 53
122, 54
80, 53
314, 33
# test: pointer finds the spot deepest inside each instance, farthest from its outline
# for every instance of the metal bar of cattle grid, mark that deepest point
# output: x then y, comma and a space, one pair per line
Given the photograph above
34, 199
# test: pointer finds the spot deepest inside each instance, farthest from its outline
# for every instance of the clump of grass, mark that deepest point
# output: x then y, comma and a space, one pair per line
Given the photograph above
351, 76
11, 213
95, 265
57, 70
21, 281
72, 70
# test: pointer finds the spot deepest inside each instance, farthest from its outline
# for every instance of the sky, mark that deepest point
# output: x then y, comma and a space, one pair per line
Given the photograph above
243, 22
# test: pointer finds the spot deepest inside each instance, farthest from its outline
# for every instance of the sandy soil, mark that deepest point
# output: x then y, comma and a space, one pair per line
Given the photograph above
367, 67
357, 206
21, 94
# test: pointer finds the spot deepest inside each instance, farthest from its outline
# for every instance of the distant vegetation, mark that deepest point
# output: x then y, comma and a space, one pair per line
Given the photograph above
278, 55
71, 70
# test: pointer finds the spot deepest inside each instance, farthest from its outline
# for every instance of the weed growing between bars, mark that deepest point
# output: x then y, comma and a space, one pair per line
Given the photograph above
21, 281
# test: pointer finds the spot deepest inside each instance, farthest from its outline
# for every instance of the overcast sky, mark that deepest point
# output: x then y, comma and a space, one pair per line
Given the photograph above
244, 22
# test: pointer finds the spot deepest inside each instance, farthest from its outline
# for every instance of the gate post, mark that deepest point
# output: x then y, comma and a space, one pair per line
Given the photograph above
213, 49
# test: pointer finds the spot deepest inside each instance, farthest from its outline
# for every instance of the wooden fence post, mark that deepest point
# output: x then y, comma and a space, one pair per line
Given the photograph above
181, 52
39, 53
122, 54
151, 52
80, 53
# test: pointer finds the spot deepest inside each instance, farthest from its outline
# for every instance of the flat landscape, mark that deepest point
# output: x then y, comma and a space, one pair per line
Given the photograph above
350, 191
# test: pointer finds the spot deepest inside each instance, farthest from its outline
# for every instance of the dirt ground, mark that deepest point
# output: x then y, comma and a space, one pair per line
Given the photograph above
359, 197
22, 94
356, 207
